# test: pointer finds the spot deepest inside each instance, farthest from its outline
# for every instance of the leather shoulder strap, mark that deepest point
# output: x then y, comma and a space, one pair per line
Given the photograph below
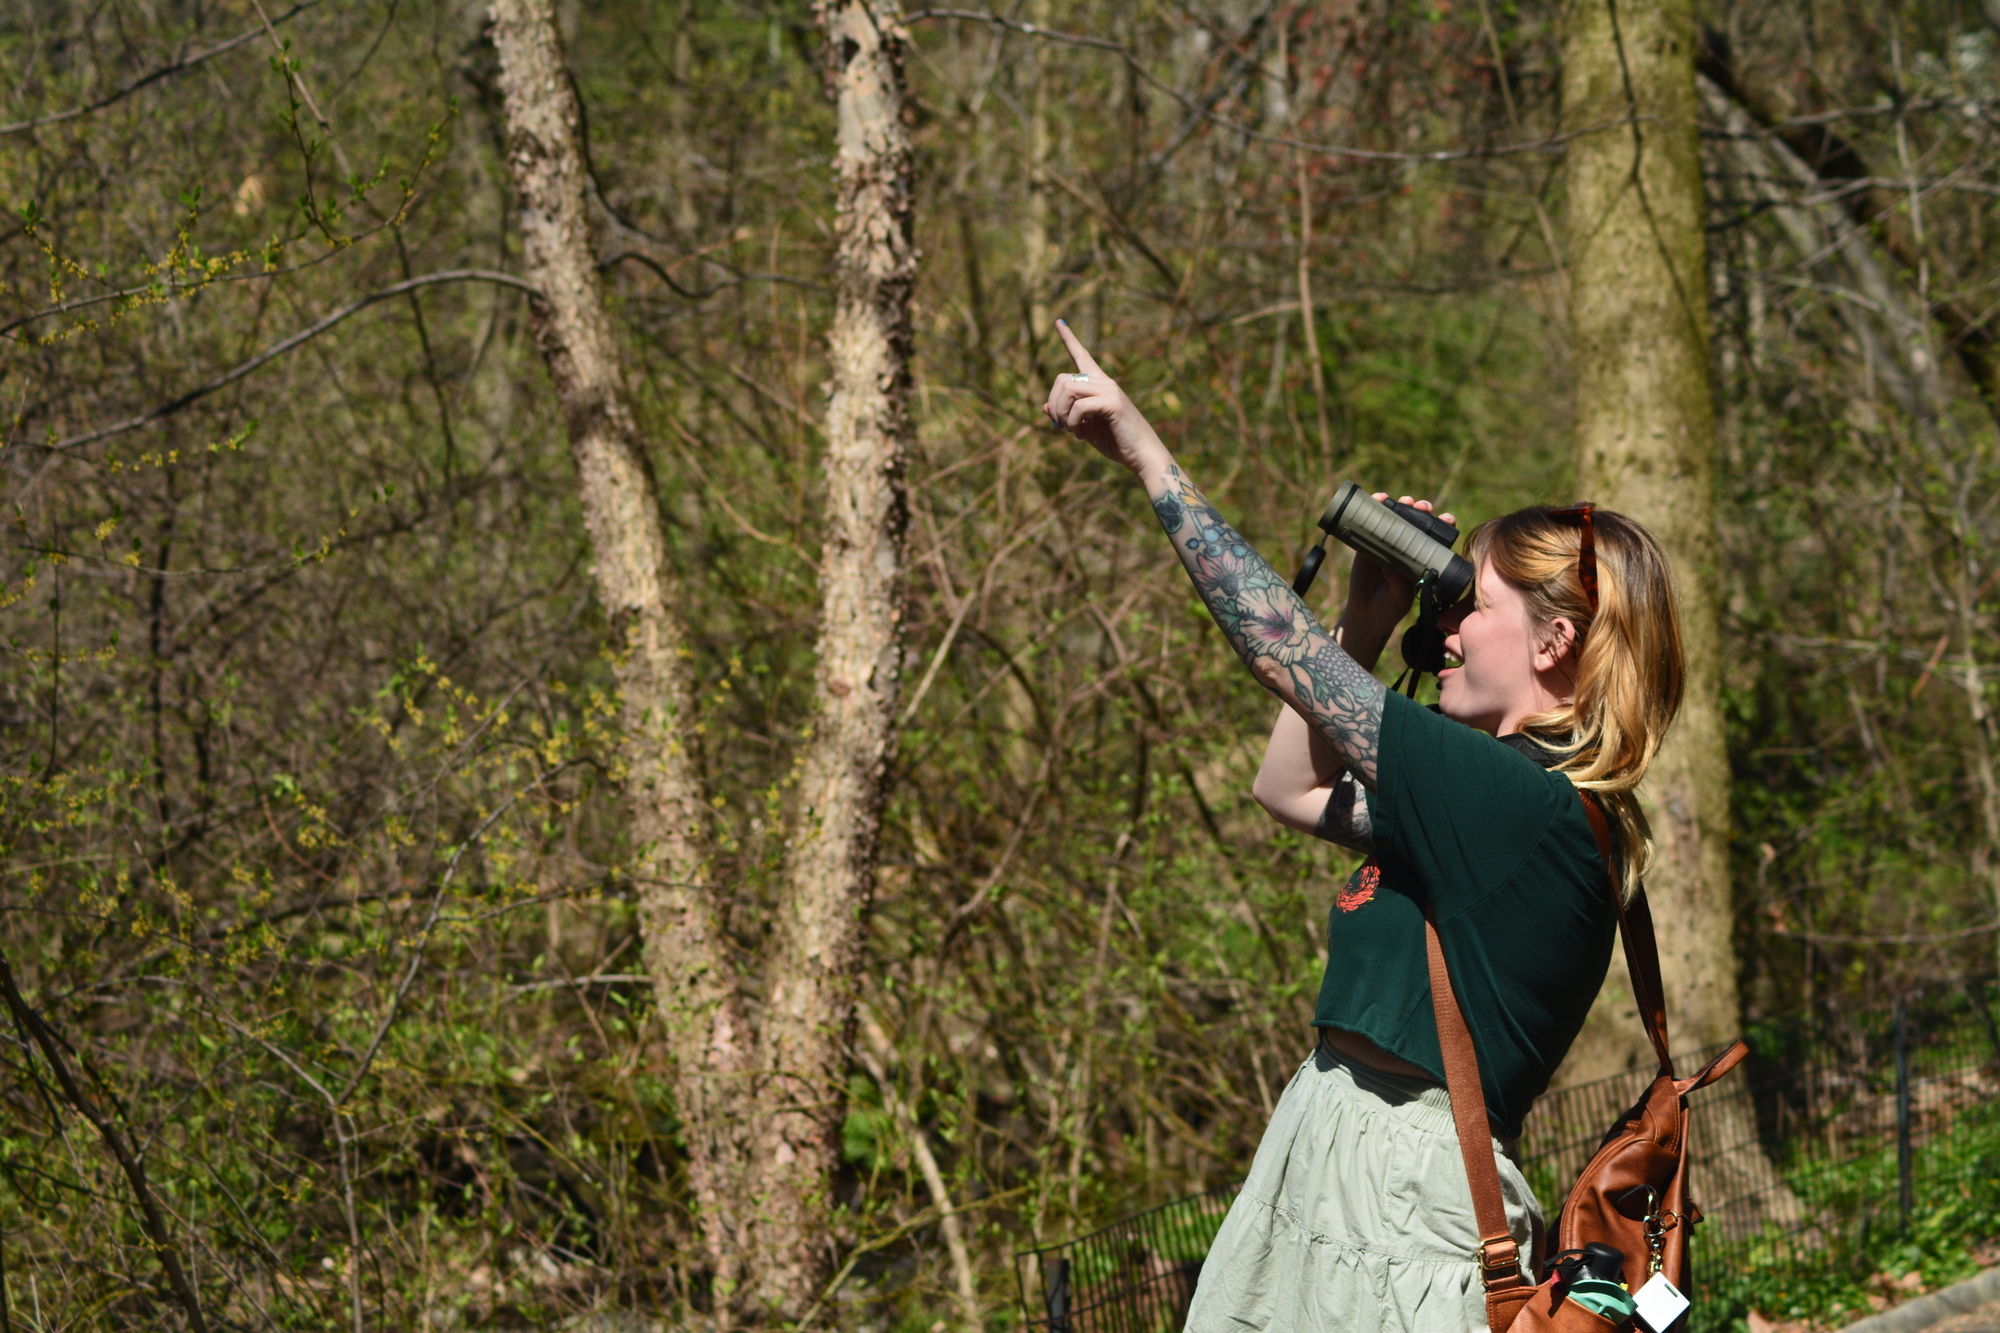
1713, 1070
1499, 1253
1635, 929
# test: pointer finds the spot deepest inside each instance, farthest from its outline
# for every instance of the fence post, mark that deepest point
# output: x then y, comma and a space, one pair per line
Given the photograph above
1057, 1296
1905, 1185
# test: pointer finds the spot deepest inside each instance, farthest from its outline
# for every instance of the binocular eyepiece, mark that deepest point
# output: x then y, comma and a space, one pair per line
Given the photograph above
1404, 538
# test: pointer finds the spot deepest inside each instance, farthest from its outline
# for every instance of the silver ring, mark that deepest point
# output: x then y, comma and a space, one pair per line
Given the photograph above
1081, 379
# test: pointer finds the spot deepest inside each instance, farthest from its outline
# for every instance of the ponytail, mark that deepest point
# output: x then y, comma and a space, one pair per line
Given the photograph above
1629, 670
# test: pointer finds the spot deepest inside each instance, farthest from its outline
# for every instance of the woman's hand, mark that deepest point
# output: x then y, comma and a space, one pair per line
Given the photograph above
1091, 406
1378, 597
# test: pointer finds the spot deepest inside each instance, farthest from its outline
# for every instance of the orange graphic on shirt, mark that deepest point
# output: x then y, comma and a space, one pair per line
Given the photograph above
1361, 889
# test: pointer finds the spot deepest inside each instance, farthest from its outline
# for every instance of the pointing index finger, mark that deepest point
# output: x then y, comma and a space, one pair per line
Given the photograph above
1083, 359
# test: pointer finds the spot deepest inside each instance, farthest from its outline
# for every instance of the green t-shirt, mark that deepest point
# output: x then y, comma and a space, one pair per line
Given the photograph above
1504, 849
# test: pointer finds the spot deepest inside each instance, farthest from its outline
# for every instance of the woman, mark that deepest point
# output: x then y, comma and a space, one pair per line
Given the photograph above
1357, 1215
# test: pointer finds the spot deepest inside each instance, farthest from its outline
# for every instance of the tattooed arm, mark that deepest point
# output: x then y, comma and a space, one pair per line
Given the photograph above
1267, 624
1304, 786
1303, 783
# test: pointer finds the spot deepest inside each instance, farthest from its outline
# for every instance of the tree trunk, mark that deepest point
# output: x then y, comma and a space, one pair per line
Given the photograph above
1645, 446
1979, 743
687, 955
807, 1028
1645, 432
1036, 257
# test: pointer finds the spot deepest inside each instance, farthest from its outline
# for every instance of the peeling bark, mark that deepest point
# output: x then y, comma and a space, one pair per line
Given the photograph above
808, 1024
686, 954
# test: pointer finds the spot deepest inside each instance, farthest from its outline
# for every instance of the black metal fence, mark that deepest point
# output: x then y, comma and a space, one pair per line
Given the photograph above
1135, 1276
1847, 1133
1850, 1137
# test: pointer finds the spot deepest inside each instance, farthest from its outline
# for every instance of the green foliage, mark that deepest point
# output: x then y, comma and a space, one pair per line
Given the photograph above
1837, 1272
308, 736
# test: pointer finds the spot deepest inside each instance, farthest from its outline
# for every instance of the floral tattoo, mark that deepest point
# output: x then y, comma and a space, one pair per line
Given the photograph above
1271, 629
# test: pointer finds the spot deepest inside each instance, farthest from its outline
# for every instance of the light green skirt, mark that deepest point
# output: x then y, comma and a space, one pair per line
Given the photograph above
1356, 1216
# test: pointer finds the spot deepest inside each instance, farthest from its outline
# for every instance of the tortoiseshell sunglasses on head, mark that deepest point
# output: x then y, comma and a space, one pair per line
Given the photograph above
1586, 554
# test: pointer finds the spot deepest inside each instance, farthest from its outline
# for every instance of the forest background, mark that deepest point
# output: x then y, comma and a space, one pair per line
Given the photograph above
329, 982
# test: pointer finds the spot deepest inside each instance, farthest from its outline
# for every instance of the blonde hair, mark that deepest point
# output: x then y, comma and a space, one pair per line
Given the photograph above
1629, 668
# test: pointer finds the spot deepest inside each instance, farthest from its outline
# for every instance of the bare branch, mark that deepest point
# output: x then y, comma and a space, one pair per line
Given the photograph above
107, 1128
736, 280
1940, 937
417, 951
277, 350
163, 72
1208, 113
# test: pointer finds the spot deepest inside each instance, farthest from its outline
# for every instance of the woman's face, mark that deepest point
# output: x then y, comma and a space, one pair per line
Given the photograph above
1499, 680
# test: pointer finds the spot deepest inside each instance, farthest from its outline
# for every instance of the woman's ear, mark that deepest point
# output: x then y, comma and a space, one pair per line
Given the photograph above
1558, 638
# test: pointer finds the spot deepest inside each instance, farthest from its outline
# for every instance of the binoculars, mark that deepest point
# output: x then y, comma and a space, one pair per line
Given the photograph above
1403, 538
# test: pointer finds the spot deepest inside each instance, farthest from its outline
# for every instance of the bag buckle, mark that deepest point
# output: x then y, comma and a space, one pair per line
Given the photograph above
1499, 1257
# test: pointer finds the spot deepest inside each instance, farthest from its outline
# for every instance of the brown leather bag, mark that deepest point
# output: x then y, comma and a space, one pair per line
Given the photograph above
1632, 1195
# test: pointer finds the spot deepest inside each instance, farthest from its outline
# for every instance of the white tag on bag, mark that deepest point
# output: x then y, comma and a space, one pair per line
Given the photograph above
1660, 1303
